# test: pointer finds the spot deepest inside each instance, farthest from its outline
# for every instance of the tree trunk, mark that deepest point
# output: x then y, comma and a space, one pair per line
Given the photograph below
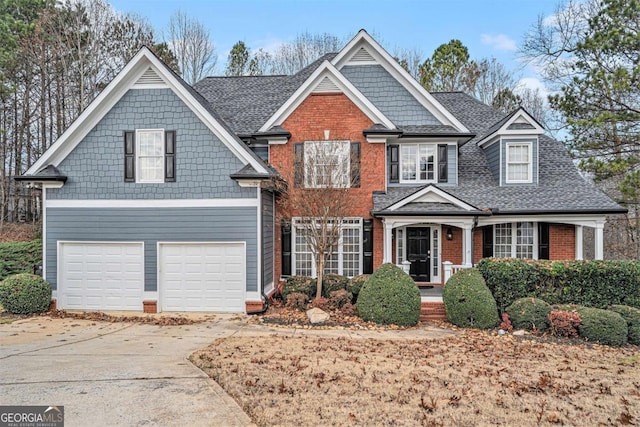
320, 271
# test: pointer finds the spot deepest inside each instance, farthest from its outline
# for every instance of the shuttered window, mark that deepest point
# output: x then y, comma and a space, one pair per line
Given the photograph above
326, 164
150, 156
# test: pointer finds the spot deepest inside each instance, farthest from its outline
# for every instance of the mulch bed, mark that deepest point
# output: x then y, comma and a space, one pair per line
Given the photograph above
103, 317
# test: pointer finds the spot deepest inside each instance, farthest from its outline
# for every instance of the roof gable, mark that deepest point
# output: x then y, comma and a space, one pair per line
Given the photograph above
144, 70
364, 46
326, 78
431, 194
518, 122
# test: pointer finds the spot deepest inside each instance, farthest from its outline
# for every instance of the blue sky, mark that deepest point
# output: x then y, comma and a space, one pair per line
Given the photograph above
489, 28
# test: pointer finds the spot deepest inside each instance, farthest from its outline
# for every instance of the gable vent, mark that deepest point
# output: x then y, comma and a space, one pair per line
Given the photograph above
150, 77
362, 55
326, 85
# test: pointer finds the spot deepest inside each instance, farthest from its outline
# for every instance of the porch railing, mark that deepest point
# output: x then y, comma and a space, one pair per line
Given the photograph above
450, 269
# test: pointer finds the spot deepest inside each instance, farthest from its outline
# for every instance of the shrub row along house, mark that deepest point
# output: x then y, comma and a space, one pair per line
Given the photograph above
160, 195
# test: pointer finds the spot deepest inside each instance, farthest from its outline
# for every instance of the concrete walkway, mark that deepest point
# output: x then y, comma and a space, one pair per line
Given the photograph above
132, 374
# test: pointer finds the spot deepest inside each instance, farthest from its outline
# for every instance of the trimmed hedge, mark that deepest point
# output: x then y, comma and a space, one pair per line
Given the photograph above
333, 282
468, 301
19, 257
25, 293
602, 326
355, 284
299, 284
589, 283
529, 313
389, 296
632, 317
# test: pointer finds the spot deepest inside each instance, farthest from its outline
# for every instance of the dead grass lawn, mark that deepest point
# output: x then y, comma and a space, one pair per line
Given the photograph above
472, 379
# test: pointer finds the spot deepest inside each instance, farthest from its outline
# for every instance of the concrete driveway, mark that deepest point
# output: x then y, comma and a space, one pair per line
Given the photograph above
115, 374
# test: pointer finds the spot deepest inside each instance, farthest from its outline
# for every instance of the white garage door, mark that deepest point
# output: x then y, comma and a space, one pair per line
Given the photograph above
101, 276
202, 276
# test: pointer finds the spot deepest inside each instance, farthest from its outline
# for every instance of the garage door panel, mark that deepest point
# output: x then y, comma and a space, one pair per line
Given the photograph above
202, 277
101, 276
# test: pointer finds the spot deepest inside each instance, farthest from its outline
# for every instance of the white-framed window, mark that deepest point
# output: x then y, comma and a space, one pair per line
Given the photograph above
519, 162
345, 260
327, 164
515, 240
150, 155
418, 163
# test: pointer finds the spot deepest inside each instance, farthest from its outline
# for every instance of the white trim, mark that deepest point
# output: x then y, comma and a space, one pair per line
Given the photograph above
280, 140
503, 131
60, 303
151, 86
383, 58
49, 184
114, 91
44, 234
148, 203
529, 144
579, 255
136, 145
431, 189
575, 219
326, 69
208, 242
259, 272
249, 182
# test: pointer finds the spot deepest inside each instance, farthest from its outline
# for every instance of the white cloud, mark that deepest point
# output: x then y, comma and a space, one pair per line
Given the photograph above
533, 83
268, 44
499, 42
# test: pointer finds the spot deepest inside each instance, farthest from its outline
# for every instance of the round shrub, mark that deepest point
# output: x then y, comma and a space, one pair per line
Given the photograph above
355, 284
468, 301
25, 294
302, 284
632, 316
297, 300
529, 314
389, 296
339, 298
602, 326
333, 282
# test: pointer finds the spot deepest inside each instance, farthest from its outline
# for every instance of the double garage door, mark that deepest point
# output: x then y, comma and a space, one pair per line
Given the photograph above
191, 277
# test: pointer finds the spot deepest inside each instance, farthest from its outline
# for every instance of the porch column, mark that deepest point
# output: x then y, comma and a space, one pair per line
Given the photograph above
579, 244
599, 252
467, 244
386, 256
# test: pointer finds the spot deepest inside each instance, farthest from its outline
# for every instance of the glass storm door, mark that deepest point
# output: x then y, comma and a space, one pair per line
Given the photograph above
419, 253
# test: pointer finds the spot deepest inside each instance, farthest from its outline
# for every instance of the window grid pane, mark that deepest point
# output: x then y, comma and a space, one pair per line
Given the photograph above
327, 164
518, 162
304, 258
502, 241
408, 155
150, 155
400, 248
524, 240
435, 256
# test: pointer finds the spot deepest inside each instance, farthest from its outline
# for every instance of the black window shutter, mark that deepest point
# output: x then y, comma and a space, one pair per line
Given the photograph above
543, 240
170, 156
129, 157
442, 163
393, 158
298, 164
367, 246
285, 232
355, 164
487, 241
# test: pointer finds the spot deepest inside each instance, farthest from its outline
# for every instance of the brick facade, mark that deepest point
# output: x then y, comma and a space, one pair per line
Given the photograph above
562, 241
344, 121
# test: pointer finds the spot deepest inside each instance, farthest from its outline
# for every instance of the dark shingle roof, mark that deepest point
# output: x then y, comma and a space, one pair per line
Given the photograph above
247, 102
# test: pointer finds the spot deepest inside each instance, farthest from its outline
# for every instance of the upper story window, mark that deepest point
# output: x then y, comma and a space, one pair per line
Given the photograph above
519, 164
262, 151
327, 164
149, 156
418, 163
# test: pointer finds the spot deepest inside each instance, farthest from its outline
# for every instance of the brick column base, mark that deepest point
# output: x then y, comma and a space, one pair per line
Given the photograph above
150, 306
253, 305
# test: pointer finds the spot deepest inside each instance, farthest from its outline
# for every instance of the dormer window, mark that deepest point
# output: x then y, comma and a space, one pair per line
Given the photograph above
519, 164
418, 163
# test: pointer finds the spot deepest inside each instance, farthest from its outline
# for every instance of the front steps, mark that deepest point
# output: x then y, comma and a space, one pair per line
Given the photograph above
431, 310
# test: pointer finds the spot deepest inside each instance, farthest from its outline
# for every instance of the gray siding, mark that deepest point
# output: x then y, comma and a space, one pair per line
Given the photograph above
152, 225
267, 237
386, 93
534, 155
95, 168
493, 159
452, 165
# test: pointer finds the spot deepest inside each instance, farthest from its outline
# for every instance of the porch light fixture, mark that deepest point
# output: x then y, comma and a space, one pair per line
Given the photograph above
449, 234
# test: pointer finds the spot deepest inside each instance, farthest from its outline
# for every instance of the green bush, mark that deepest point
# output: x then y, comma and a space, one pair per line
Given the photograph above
25, 293
529, 314
333, 282
589, 283
389, 296
355, 284
602, 326
19, 257
632, 317
302, 284
468, 302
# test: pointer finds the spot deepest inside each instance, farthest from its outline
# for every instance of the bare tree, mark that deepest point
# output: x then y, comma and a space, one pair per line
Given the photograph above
191, 43
291, 57
494, 78
321, 197
410, 60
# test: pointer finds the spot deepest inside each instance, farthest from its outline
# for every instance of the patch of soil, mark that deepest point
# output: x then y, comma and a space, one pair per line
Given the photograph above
472, 378
151, 319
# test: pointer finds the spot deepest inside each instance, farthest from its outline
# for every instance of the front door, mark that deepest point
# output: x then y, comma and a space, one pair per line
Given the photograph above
419, 253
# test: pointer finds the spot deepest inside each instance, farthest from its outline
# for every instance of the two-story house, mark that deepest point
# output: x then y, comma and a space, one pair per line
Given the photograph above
160, 194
